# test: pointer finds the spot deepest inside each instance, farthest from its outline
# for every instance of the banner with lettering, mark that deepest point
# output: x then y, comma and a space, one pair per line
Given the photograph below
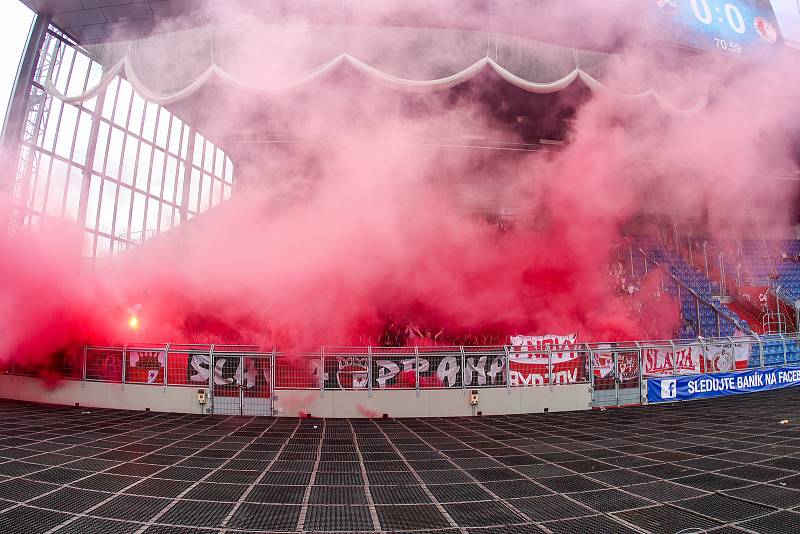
532, 356
721, 384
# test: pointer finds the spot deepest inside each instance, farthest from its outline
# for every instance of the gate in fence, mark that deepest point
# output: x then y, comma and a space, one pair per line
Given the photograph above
616, 377
241, 383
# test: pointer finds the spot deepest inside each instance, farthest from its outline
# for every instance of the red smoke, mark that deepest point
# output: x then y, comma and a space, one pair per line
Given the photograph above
361, 226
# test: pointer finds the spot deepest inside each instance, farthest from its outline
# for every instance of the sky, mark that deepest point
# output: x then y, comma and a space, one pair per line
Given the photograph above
15, 24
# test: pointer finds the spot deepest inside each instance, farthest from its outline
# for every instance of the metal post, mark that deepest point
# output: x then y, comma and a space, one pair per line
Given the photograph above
697, 311
124, 363
212, 369
322, 372
508, 369
85, 358
369, 372
166, 364
783, 339
722, 281
689, 242
640, 364
616, 375
719, 326
703, 368
760, 348
590, 367
416, 369
20, 96
272, 363
187, 175
463, 370
550, 366
797, 315
705, 256
674, 359
86, 180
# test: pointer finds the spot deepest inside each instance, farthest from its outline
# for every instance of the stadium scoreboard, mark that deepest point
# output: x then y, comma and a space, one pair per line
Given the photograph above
737, 27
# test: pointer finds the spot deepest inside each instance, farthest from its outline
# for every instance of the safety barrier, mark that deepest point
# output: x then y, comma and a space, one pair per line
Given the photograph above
242, 380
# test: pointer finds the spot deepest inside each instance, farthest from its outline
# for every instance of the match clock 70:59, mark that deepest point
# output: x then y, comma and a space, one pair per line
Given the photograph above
728, 25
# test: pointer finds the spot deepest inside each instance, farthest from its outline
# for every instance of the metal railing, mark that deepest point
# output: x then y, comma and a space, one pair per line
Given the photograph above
415, 367
699, 300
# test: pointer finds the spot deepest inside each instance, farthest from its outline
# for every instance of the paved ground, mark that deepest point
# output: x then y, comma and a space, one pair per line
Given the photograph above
726, 466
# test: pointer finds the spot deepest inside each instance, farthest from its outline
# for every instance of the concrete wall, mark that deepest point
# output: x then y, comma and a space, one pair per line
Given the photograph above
394, 402
433, 402
102, 394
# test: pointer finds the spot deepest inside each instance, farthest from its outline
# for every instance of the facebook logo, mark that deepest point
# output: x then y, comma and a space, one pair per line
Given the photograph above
669, 389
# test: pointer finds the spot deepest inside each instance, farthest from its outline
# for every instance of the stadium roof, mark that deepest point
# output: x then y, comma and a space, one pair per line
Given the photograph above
93, 21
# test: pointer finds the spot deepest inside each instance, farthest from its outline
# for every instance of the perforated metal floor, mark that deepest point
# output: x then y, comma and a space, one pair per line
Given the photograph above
721, 466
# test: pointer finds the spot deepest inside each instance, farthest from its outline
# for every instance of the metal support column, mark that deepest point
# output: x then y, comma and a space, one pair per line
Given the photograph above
124, 363
211, 370
697, 312
463, 371
703, 369
272, 363
322, 372
760, 349
783, 339
640, 372
166, 364
187, 175
616, 377
91, 152
674, 359
369, 372
508, 369
416, 369
20, 97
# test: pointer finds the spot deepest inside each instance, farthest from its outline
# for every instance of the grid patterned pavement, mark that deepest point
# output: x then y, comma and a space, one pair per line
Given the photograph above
722, 466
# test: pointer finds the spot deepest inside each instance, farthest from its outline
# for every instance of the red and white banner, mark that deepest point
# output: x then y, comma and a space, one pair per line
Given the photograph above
531, 356
666, 361
603, 363
696, 358
723, 357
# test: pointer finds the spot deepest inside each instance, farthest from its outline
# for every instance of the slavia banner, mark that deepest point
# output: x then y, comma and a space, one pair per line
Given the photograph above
684, 388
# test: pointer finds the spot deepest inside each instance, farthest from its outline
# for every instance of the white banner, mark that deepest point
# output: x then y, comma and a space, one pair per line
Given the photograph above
531, 356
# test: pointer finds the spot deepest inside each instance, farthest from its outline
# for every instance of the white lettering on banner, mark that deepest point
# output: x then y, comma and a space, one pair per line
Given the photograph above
408, 365
721, 384
788, 376
471, 369
201, 362
533, 359
480, 368
663, 361
387, 370
448, 371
